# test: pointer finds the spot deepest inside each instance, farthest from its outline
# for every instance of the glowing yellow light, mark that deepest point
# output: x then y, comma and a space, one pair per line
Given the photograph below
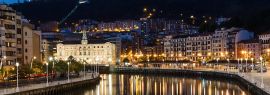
144, 9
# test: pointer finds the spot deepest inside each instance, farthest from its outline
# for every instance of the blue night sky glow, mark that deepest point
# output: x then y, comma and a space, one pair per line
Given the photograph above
9, 1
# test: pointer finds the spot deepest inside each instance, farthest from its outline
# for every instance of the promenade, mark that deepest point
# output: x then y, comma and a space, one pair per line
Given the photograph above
29, 87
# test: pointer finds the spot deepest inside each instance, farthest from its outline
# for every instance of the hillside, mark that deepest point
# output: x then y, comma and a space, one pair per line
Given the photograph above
109, 10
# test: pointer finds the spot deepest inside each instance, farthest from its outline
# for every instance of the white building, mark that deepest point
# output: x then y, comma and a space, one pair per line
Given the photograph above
221, 44
101, 53
265, 41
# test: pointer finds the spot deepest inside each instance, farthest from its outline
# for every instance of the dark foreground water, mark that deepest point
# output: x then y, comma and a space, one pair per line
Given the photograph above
115, 84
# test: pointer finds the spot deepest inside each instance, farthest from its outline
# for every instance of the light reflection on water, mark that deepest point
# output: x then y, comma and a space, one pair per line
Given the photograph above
115, 84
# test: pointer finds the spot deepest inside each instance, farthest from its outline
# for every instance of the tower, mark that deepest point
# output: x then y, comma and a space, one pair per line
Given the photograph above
84, 38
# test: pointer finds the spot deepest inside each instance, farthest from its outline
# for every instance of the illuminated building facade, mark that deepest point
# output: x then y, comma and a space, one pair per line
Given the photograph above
118, 26
101, 53
221, 44
249, 49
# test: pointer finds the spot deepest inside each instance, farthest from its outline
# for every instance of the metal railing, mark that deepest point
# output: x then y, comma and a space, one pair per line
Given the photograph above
51, 84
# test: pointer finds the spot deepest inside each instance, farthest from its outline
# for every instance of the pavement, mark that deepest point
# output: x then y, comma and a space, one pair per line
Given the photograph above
13, 90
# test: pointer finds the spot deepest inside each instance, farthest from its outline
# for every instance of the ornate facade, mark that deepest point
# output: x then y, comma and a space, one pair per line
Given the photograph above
98, 53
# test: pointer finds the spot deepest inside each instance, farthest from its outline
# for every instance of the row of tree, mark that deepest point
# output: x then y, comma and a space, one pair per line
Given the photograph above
55, 66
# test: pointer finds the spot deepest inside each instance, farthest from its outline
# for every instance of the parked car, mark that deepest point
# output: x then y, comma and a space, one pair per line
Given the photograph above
264, 69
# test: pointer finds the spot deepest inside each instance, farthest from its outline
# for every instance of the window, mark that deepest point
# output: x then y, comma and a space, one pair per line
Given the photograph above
10, 53
19, 31
25, 33
25, 41
26, 50
19, 40
19, 50
18, 21
10, 26
10, 35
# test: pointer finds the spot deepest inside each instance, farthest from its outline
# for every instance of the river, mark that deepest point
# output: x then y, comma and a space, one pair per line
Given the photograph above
121, 84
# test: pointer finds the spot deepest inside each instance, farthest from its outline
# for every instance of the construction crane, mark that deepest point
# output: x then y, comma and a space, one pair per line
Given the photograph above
80, 2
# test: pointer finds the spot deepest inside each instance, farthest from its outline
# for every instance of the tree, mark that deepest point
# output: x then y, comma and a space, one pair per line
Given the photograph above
61, 66
266, 57
38, 67
25, 70
75, 66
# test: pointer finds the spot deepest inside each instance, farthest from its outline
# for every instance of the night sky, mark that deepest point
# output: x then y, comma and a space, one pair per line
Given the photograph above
9, 1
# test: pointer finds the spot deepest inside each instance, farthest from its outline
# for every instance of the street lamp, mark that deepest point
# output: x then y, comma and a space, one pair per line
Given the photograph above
92, 64
84, 69
241, 64
246, 64
238, 65
261, 64
47, 74
3, 58
52, 60
97, 59
17, 65
228, 65
252, 63
217, 62
31, 65
68, 70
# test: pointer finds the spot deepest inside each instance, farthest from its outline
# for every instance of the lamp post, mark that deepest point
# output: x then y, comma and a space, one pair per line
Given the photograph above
217, 62
238, 65
17, 88
97, 59
47, 74
84, 69
246, 65
31, 65
52, 60
3, 58
252, 63
68, 70
261, 64
262, 84
228, 65
241, 64
94, 66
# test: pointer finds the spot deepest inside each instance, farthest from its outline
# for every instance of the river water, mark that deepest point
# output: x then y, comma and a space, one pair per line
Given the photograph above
121, 84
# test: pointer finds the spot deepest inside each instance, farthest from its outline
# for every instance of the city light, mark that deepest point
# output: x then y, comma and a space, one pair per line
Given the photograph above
124, 47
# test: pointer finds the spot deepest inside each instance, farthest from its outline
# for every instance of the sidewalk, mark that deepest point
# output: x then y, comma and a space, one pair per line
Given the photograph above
261, 80
43, 85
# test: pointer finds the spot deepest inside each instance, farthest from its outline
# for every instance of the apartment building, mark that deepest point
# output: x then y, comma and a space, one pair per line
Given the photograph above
221, 44
265, 42
13, 30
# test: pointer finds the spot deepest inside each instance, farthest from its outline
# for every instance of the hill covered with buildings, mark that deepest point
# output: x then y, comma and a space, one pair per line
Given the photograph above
251, 14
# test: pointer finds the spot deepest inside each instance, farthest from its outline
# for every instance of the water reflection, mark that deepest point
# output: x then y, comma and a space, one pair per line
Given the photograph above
114, 84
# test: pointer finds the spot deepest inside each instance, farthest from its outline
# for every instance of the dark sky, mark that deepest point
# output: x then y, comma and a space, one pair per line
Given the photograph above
9, 1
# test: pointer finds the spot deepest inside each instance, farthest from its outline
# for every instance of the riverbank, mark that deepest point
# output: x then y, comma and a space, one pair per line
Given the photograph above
55, 87
241, 79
